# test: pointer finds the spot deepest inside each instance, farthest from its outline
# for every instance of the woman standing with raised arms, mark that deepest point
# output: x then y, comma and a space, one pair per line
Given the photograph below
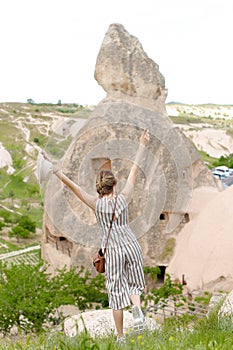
123, 264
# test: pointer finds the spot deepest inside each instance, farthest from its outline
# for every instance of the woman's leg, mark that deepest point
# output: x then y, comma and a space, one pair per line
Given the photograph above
136, 284
118, 319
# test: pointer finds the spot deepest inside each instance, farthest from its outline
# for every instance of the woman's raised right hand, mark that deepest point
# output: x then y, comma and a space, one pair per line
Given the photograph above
145, 138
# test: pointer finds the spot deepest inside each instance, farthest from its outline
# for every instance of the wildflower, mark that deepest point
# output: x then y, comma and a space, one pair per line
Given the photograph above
171, 338
139, 337
142, 343
132, 340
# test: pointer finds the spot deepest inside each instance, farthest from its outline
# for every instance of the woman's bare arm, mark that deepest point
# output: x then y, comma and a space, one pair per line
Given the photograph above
130, 183
86, 198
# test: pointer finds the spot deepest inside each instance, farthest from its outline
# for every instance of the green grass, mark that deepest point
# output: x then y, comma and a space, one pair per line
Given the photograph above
10, 246
207, 159
185, 333
168, 249
186, 119
9, 134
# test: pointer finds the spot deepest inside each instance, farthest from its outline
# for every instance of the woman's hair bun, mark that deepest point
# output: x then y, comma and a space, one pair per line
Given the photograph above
105, 182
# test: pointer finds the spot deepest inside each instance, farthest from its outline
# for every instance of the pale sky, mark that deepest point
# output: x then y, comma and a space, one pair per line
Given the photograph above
49, 47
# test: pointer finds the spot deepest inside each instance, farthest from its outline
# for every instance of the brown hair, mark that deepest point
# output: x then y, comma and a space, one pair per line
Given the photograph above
105, 182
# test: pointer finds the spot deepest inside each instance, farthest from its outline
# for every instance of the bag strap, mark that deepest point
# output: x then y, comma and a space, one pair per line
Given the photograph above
110, 227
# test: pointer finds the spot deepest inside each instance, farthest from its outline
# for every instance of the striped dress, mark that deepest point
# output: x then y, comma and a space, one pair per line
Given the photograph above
124, 266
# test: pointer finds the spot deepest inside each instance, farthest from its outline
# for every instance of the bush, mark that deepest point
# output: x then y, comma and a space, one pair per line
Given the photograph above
227, 161
23, 229
27, 223
6, 215
1, 225
29, 296
19, 232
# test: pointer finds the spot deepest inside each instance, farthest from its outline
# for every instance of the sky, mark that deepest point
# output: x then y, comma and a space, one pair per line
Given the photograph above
49, 47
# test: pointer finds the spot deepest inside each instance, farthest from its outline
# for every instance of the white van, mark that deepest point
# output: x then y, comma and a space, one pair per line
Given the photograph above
221, 172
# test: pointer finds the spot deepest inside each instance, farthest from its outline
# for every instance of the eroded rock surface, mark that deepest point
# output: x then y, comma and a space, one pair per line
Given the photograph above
170, 169
125, 72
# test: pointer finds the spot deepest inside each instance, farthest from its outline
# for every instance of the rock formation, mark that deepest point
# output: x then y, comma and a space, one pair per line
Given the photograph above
169, 173
100, 323
126, 73
204, 246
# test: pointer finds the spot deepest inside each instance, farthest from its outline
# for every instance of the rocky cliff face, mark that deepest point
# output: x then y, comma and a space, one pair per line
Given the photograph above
170, 171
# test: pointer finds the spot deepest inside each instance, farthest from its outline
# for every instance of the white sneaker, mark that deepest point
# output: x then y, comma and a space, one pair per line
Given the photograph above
139, 323
121, 340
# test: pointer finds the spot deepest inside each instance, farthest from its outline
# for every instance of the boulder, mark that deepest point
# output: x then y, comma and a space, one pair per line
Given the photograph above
100, 323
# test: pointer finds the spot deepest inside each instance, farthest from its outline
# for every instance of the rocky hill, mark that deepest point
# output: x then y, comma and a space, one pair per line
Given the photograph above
208, 126
25, 129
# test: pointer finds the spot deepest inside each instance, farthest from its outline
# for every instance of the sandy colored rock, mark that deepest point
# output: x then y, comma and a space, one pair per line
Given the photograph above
170, 170
125, 72
204, 246
100, 323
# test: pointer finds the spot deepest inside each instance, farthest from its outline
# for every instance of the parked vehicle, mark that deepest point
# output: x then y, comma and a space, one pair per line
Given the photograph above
222, 172
228, 181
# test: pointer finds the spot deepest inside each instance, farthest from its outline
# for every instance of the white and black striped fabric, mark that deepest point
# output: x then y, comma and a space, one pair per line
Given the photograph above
124, 265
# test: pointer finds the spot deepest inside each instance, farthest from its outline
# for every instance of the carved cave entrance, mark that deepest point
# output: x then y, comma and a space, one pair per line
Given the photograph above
161, 275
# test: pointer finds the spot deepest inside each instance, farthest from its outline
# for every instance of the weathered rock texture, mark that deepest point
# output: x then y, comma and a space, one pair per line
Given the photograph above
125, 72
100, 323
204, 247
169, 172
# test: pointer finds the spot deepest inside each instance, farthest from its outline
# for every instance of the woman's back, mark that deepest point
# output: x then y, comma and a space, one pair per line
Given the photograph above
121, 233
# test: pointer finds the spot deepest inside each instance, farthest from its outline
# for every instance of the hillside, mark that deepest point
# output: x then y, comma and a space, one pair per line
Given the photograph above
26, 128
208, 126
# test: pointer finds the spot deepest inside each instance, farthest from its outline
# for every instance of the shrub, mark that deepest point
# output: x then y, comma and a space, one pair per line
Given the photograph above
1, 225
6, 215
29, 296
27, 223
19, 232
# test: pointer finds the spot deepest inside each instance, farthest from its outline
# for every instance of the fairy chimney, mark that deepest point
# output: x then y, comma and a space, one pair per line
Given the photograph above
170, 170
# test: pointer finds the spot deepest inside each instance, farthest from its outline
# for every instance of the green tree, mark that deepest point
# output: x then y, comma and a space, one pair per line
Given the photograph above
29, 296
31, 101
18, 232
1, 225
227, 161
36, 140
27, 223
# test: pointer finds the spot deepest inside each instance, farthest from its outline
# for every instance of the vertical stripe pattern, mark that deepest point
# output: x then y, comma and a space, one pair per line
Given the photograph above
124, 265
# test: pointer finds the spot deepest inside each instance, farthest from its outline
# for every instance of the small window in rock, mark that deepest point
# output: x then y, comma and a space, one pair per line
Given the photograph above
186, 218
62, 239
162, 216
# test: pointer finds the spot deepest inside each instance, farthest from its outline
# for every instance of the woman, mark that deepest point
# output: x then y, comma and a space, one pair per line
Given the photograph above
123, 264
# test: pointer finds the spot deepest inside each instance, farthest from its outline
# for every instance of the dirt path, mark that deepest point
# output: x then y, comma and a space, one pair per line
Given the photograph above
18, 252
